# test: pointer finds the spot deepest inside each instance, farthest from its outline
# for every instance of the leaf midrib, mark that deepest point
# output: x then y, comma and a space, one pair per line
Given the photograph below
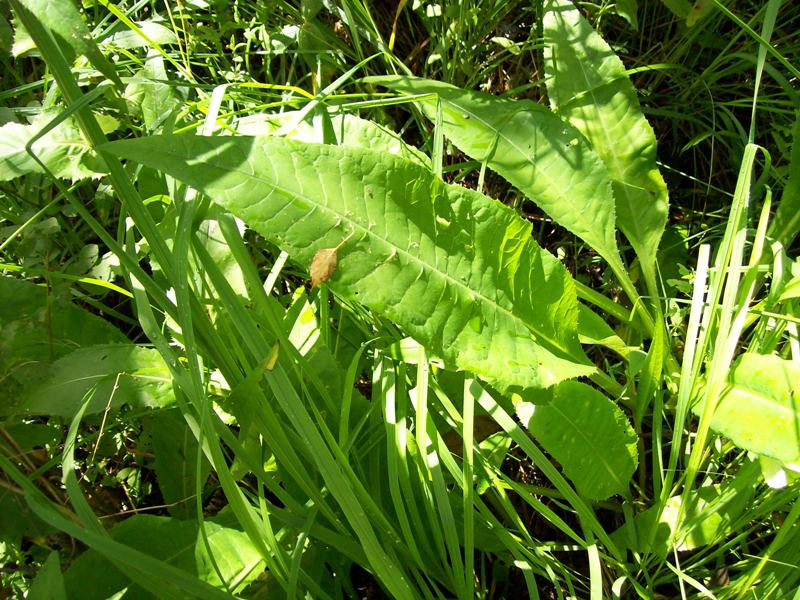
609, 143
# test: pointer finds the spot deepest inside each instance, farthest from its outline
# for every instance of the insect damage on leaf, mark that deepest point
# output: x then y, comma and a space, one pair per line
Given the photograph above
323, 265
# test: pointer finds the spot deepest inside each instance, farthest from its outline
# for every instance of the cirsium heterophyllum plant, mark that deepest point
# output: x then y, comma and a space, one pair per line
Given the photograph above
468, 340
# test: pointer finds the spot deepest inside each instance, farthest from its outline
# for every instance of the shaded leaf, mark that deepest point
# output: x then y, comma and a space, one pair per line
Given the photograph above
49, 583
680, 8
112, 374
38, 326
92, 576
17, 519
588, 434
786, 224
457, 270
64, 22
175, 449
700, 9
589, 87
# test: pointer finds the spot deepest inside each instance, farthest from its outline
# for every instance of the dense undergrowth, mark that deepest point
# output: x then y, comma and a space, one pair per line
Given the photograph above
338, 299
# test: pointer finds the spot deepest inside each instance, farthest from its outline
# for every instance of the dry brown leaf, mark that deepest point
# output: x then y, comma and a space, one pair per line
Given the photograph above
323, 265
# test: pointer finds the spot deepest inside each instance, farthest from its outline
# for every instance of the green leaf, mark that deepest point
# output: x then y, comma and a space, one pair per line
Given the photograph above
700, 9
593, 329
535, 150
175, 449
455, 269
148, 95
627, 10
113, 375
6, 33
29, 436
175, 542
680, 8
17, 520
760, 410
589, 87
710, 518
350, 131
38, 325
494, 450
210, 236
49, 583
154, 31
63, 150
588, 434
64, 22
36, 322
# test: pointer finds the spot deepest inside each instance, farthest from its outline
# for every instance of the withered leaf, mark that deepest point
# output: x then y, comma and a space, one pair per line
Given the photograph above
323, 266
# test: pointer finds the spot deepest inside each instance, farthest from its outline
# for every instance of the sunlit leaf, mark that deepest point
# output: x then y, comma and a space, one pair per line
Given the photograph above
457, 270
760, 409
349, 130
63, 150
709, 518
546, 158
589, 87
588, 434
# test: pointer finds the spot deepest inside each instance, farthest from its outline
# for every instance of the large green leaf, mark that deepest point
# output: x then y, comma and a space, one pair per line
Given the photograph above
546, 158
760, 410
589, 87
175, 542
588, 434
49, 583
16, 517
457, 270
349, 131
